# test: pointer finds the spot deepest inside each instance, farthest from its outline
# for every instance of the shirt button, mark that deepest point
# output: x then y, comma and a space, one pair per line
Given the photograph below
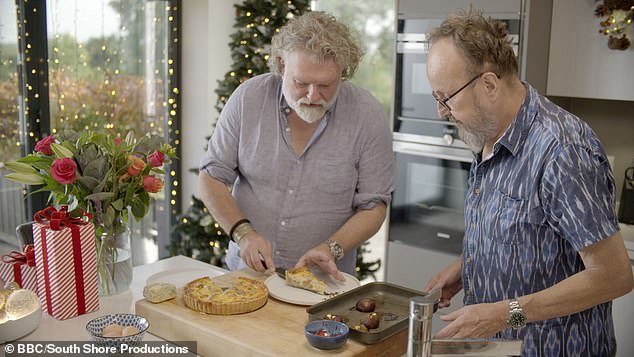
477, 191
473, 225
468, 260
290, 191
283, 223
287, 110
288, 129
277, 252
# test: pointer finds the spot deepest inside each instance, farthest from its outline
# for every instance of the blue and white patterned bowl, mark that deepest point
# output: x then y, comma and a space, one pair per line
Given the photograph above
96, 326
326, 334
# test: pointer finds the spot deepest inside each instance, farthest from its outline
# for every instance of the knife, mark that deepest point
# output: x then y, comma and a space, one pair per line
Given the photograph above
281, 272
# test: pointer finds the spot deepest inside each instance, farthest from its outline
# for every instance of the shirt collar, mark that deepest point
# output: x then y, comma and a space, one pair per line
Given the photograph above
515, 135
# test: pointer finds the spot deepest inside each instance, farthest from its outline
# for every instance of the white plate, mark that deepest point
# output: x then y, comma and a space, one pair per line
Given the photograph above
281, 291
180, 277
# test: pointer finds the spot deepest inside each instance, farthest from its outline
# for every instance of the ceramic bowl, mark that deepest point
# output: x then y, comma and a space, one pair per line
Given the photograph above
326, 334
96, 326
13, 329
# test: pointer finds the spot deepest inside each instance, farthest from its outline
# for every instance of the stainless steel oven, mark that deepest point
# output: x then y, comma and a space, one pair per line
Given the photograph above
427, 208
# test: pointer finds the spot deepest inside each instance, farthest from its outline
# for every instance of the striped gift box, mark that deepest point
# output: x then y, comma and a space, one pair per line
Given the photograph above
16, 267
66, 269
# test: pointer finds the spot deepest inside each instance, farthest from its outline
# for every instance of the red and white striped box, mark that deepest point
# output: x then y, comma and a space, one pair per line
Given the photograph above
20, 267
66, 269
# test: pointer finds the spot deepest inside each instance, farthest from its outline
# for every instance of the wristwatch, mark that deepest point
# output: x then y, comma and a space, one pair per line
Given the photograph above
335, 249
517, 316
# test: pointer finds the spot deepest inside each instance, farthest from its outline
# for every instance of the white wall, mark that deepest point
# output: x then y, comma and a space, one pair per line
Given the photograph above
206, 27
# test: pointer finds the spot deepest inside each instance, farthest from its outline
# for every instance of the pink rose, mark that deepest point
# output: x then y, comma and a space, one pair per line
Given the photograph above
136, 165
44, 146
64, 170
152, 184
156, 158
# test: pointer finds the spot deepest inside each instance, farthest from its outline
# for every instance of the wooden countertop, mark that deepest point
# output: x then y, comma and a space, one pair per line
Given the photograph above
276, 329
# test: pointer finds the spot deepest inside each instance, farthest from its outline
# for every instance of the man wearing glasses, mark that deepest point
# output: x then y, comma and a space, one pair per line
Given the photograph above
542, 254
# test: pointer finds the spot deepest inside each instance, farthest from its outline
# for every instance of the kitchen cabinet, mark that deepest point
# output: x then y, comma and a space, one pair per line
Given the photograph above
580, 63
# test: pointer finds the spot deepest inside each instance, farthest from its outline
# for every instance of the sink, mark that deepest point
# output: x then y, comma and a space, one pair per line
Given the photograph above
475, 347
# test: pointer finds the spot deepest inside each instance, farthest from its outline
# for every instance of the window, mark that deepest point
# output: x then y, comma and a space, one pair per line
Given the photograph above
103, 66
374, 21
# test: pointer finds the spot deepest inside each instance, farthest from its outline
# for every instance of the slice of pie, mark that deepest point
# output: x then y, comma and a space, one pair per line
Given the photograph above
241, 296
303, 278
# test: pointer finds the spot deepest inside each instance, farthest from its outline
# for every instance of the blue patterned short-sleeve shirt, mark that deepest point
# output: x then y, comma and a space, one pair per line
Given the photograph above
546, 193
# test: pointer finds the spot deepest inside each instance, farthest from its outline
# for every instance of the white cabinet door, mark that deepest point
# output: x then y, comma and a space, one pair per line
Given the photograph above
580, 63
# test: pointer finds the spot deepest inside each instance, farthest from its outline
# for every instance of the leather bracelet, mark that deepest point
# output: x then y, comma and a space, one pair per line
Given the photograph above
235, 225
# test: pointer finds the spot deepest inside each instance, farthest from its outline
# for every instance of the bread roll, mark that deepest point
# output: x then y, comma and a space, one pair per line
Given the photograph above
159, 292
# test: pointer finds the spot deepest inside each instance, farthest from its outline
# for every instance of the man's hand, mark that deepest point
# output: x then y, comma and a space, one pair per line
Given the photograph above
475, 321
256, 252
449, 280
321, 257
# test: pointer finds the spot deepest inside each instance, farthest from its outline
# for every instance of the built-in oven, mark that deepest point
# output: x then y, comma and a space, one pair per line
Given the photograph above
427, 209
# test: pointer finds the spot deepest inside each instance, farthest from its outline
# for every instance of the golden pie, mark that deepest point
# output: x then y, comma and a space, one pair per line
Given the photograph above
243, 295
303, 278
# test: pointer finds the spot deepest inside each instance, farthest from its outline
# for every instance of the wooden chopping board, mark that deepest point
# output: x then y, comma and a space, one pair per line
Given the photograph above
276, 329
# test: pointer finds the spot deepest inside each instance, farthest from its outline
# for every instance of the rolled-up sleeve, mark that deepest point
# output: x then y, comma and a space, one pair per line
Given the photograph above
221, 159
376, 164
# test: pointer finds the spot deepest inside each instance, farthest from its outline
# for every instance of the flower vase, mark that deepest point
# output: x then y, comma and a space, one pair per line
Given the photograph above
114, 262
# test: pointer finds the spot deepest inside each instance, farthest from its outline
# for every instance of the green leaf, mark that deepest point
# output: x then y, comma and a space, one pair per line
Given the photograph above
138, 209
89, 182
20, 168
28, 179
118, 204
60, 151
100, 196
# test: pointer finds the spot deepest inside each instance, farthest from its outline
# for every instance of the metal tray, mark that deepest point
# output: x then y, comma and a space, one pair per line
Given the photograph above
390, 299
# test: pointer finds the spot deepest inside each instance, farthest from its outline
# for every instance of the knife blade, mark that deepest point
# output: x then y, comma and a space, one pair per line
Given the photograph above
281, 272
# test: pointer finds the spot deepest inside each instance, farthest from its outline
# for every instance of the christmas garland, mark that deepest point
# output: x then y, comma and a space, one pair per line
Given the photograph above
618, 16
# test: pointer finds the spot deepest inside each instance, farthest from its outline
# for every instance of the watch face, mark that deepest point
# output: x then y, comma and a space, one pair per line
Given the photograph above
517, 319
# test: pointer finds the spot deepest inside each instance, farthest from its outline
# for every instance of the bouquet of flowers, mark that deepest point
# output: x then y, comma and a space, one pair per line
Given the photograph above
100, 174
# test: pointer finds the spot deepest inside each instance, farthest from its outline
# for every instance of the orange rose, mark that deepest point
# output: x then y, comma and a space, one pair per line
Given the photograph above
136, 165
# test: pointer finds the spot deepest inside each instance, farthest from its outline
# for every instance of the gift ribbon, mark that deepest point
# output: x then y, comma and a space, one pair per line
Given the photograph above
57, 220
18, 259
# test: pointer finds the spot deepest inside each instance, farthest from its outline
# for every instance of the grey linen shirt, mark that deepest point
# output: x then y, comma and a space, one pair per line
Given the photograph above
298, 202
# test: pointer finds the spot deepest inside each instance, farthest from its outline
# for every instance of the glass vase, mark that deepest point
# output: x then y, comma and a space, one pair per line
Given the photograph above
114, 262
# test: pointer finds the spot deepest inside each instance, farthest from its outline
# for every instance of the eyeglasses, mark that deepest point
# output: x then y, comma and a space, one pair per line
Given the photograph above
443, 102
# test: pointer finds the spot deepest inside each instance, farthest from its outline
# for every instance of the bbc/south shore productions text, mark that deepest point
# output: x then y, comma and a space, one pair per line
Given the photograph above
91, 348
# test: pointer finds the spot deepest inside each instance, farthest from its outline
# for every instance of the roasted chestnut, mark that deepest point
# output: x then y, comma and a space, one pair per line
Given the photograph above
337, 318
365, 305
360, 328
372, 321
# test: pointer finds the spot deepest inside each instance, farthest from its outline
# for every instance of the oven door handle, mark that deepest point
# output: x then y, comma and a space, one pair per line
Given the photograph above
429, 153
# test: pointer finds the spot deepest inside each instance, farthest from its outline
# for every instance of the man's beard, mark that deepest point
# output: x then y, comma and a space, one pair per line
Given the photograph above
309, 114
476, 133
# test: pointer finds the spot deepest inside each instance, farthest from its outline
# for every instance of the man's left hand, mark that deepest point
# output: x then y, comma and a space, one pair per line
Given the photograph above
322, 258
474, 321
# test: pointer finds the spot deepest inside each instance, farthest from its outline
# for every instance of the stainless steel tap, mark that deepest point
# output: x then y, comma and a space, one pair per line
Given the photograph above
421, 311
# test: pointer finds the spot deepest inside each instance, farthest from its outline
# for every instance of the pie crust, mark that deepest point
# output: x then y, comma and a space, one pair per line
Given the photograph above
243, 295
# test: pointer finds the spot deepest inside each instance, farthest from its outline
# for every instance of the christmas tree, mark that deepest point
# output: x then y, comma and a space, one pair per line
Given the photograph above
197, 234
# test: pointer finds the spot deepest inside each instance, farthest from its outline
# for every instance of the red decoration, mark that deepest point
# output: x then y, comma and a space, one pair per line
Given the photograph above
67, 263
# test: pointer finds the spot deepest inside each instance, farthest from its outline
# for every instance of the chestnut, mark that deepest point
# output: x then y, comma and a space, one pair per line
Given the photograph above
366, 305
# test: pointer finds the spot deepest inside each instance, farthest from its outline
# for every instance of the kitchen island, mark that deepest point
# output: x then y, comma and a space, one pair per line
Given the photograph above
276, 329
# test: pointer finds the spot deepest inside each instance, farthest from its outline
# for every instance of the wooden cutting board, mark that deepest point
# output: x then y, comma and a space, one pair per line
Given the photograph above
276, 329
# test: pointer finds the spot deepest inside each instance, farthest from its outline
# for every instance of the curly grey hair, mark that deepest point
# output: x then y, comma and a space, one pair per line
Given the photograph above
320, 34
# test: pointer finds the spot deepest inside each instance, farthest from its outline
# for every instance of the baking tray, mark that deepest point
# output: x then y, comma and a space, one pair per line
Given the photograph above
390, 299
